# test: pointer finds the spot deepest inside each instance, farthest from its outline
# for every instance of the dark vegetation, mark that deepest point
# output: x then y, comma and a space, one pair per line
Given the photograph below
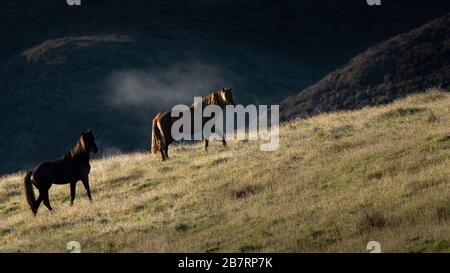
402, 65
58, 64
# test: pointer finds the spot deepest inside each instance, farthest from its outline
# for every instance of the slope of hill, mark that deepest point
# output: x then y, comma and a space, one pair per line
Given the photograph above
407, 63
338, 181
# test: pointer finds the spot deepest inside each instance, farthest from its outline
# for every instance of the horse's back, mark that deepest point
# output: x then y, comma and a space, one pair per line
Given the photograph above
58, 172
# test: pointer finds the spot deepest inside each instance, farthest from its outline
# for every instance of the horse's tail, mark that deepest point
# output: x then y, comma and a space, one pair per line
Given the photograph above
29, 192
156, 135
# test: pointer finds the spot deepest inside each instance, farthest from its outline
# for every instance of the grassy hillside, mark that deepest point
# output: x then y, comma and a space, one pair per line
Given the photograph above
338, 181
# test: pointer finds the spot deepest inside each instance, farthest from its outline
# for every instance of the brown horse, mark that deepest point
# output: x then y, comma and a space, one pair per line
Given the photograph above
70, 168
162, 123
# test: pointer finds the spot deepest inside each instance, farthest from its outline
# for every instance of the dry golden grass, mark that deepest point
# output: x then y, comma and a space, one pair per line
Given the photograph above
338, 181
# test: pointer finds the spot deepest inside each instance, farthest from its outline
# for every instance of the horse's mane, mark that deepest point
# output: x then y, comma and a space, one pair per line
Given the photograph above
206, 100
78, 150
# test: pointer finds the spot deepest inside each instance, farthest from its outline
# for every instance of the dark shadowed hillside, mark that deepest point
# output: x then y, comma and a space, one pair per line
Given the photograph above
111, 65
404, 64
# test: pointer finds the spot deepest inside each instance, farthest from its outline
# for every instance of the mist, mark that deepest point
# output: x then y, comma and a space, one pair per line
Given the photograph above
160, 89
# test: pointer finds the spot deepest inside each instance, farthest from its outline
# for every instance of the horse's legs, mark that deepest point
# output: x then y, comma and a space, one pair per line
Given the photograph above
206, 144
44, 194
37, 204
163, 156
73, 190
39, 200
223, 139
164, 146
86, 186
166, 151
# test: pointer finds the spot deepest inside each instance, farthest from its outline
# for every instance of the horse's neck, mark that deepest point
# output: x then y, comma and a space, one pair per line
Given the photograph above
78, 154
203, 104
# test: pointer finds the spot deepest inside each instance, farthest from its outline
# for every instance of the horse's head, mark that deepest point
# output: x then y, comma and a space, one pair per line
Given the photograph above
225, 97
87, 141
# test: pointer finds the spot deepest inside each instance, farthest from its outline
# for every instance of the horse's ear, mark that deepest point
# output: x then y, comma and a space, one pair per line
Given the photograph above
226, 89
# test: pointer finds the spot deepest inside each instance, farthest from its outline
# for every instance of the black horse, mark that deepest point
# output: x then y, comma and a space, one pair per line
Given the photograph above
70, 168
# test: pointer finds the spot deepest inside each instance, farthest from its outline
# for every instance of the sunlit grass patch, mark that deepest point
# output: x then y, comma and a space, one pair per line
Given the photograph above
337, 181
